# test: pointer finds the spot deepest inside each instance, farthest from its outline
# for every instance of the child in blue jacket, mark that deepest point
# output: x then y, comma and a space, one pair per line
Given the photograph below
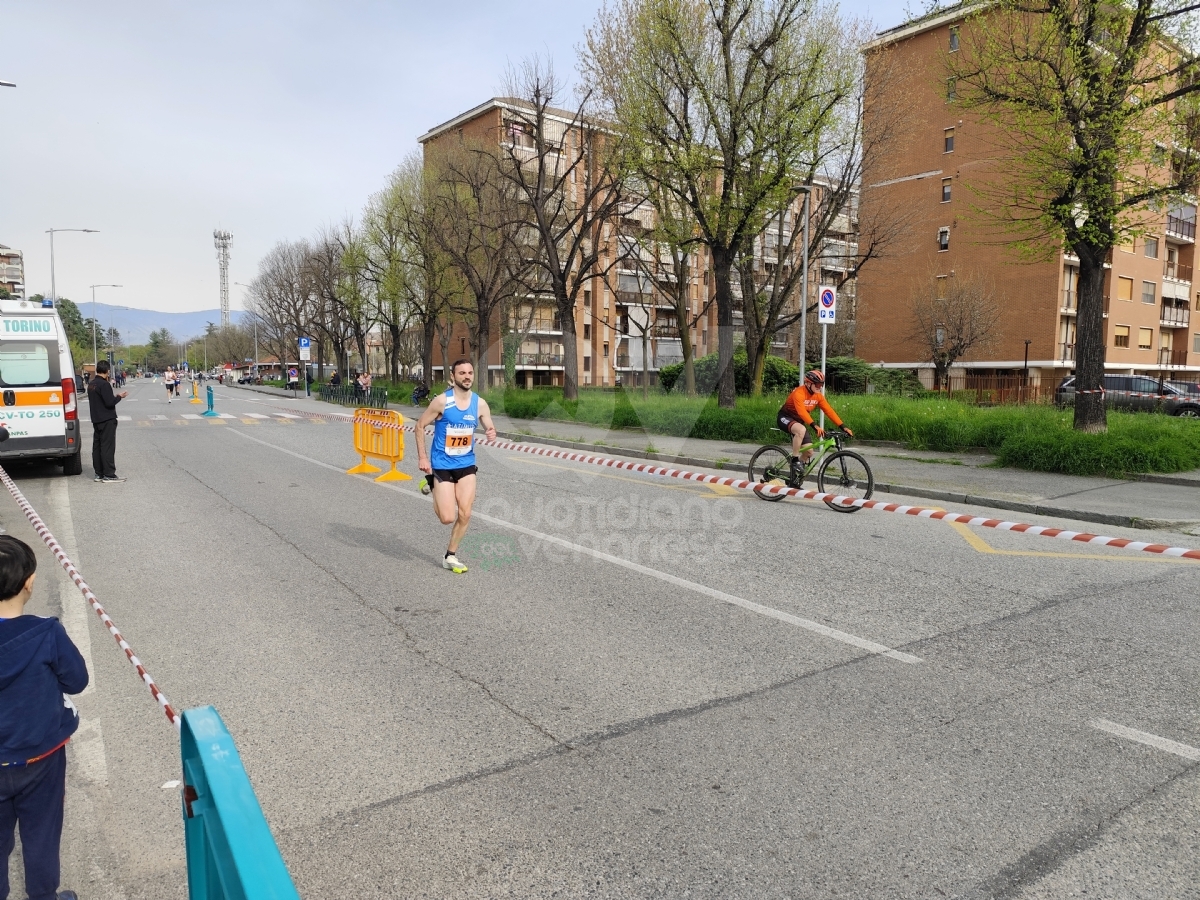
39, 666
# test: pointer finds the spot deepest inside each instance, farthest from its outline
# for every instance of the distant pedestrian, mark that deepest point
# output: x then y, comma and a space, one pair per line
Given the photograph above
169, 381
103, 405
335, 380
39, 667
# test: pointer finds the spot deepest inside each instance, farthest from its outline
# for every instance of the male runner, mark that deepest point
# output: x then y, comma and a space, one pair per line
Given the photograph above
451, 462
795, 417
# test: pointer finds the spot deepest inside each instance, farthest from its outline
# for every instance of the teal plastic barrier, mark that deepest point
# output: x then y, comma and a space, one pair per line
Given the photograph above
230, 852
210, 411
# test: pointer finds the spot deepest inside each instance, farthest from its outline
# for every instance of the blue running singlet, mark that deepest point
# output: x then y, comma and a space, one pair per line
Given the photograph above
454, 434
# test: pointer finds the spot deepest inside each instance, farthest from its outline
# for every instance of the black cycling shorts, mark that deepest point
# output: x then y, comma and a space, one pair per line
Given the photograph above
785, 424
454, 475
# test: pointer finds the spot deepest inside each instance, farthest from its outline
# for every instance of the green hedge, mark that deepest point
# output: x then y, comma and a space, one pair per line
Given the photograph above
1030, 437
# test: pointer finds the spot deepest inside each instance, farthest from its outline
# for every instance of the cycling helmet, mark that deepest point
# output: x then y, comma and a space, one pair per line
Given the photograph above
815, 378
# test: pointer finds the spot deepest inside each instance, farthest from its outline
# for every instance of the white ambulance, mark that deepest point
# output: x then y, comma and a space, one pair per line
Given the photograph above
40, 408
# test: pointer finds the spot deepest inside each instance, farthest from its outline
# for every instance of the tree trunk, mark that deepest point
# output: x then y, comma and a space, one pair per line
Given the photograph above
722, 261
428, 331
566, 315
483, 337
759, 347
320, 359
689, 367
394, 362
645, 364
1090, 411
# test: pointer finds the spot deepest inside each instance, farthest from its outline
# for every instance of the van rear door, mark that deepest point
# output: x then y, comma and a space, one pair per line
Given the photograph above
32, 394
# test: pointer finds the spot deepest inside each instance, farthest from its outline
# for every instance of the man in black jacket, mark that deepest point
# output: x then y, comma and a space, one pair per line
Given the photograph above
103, 405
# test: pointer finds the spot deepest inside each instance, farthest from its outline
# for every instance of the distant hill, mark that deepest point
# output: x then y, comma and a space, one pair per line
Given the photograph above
135, 325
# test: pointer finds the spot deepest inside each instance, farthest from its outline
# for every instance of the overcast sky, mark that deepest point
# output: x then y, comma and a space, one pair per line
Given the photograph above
157, 122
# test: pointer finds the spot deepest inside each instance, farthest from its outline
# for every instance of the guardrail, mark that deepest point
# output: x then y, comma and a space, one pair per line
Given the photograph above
230, 852
351, 395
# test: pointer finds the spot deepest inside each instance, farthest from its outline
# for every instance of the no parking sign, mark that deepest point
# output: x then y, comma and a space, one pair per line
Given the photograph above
827, 308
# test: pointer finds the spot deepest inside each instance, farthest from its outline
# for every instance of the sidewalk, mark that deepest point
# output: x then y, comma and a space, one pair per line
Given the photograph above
1156, 502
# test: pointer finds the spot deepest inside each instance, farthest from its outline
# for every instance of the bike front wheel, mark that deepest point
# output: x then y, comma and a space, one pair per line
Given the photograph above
845, 474
770, 465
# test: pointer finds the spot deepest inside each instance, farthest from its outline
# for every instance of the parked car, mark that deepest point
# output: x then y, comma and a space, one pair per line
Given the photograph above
1186, 387
1137, 393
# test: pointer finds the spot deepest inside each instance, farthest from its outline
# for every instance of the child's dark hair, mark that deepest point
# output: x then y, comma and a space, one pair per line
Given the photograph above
17, 563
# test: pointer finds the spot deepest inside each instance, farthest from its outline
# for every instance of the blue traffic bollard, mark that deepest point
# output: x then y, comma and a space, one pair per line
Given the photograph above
210, 411
230, 852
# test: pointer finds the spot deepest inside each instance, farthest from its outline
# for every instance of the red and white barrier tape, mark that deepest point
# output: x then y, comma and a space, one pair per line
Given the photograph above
922, 512
44, 533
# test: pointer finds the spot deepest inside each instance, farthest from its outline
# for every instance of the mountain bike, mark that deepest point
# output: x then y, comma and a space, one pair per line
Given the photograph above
840, 472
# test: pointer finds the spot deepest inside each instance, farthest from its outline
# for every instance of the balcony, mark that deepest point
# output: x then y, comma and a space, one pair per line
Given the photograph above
1174, 316
539, 359
1177, 272
1169, 357
1181, 229
1066, 351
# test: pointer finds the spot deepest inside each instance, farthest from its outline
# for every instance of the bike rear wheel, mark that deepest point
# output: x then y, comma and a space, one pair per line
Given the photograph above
770, 465
846, 474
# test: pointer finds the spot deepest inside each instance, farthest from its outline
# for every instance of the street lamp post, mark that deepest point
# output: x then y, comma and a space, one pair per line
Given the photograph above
50, 231
95, 354
111, 315
239, 284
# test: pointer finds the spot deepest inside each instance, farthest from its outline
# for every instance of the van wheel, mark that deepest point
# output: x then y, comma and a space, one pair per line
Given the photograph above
73, 465
1191, 412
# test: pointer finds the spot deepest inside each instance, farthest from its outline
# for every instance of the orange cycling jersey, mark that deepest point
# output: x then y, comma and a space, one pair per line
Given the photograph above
800, 403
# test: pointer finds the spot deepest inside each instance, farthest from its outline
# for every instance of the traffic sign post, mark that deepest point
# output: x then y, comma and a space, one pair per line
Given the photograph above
826, 315
305, 345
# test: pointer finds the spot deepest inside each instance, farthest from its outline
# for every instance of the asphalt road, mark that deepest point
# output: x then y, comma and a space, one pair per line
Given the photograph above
642, 688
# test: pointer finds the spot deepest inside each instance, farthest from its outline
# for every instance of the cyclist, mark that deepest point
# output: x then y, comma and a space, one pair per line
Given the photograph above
795, 417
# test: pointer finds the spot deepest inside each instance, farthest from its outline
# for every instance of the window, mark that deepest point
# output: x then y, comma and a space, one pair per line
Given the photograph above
463, 342
587, 364
951, 89
1121, 336
953, 38
606, 349
1152, 248
1145, 338
1196, 343
1148, 292
948, 140
24, 364
587, 331
587, 300
943, 239
1124, 288
945, 190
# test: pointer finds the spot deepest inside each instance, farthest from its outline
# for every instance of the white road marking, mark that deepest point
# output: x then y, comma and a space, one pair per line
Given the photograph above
1150, 740
749, 605
74, 608
288, 416
257, 416
226, 416
124, 418
159, 418
88, 750
192, 416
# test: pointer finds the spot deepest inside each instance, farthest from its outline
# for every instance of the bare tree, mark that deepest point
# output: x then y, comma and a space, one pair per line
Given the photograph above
732, 98
280, 296
951, 316
476, 223
561, 165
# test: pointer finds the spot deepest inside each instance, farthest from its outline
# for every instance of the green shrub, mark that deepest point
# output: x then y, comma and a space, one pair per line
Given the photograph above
779, 375
1039, 438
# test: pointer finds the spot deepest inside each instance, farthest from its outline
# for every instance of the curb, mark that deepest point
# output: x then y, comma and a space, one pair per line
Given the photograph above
1077, 515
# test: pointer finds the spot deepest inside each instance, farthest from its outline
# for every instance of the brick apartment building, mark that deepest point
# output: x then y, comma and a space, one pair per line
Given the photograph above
12, 272
936, 177
614, 312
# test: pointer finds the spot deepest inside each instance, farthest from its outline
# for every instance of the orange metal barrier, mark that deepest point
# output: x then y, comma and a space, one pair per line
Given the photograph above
379, 433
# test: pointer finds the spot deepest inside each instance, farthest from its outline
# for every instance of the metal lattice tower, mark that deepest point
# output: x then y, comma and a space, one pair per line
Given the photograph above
222, 240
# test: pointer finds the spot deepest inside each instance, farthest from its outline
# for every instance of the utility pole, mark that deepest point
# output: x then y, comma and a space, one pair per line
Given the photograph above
222, 241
